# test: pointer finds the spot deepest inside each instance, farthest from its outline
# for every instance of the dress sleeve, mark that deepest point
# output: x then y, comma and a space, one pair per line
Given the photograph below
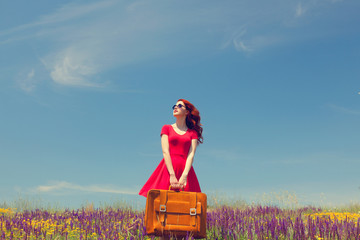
194, 135
165, 130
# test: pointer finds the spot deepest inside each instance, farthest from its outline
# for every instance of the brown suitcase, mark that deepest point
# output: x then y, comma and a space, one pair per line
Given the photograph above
176, 213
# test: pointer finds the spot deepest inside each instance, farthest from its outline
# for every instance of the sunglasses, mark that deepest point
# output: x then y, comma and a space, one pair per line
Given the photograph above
178, 106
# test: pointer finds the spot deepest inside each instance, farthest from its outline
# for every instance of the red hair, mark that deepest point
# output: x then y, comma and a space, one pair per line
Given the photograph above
193, 119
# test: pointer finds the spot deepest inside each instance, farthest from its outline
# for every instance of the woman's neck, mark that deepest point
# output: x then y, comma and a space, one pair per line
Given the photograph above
181, 123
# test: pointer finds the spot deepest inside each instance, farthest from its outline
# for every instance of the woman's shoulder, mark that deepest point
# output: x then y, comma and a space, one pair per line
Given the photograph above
168, 126
191, 130
165, 129
194, 133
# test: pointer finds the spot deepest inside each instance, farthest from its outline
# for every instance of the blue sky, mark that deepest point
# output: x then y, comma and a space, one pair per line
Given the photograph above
85, 87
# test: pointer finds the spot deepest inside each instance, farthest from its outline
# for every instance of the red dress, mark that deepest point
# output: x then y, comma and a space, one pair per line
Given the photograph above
179, 146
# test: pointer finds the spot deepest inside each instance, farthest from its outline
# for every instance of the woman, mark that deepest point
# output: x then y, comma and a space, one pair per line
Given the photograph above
178, 142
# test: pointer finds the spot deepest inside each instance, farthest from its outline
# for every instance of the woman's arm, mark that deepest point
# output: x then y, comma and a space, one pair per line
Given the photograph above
189, 162
166, 153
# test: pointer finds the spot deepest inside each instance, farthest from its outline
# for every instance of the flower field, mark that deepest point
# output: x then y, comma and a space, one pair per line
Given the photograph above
250, 222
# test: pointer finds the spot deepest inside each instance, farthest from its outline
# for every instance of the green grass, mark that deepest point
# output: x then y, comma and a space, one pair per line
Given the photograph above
283, 199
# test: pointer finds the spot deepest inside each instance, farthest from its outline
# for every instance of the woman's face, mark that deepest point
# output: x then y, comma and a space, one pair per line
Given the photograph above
180, 111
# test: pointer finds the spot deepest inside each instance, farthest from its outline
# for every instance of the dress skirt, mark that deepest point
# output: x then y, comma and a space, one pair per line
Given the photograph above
160, 178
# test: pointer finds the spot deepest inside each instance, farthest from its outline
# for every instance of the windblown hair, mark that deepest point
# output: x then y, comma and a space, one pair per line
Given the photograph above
193, 119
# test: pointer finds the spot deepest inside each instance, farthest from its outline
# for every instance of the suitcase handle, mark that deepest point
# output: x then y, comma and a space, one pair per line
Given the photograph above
176, 189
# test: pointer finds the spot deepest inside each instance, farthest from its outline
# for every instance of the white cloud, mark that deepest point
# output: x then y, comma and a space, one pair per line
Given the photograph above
31, 74
71, 68
58, 187
244, 42
239, 42
344, 110
82, 41
27, 83
240, 46
62, 14
300, 10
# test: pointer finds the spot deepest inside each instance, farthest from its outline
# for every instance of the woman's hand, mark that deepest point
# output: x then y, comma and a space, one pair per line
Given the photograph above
183, 181
174, 183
